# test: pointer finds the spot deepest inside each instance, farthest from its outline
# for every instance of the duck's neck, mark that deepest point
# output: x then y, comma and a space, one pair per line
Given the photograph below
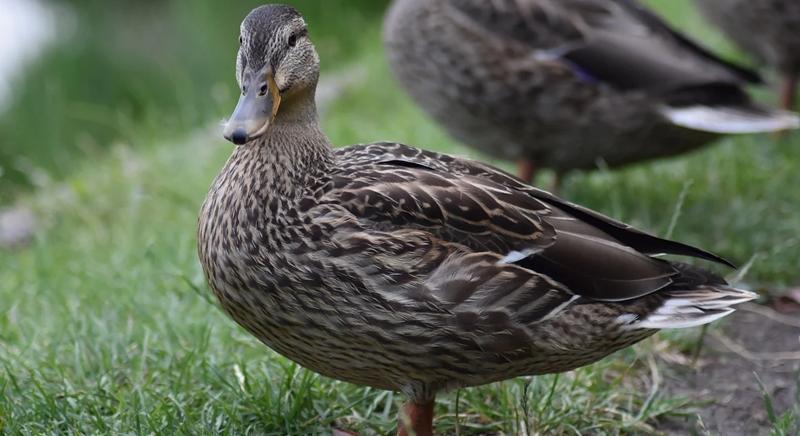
291, 155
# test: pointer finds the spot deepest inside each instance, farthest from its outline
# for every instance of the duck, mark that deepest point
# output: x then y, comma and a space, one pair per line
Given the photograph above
568, 84
386, 265
766, 29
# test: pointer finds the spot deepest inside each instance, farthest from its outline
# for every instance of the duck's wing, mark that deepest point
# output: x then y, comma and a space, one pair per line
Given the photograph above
458, 201
616, 42
474, 212
429, 287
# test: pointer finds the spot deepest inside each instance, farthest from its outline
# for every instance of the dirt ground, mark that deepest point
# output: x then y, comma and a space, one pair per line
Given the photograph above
756, 343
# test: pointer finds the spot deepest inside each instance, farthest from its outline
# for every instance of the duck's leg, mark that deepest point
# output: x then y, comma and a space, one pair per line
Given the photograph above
526, 169
415, 419
788, 90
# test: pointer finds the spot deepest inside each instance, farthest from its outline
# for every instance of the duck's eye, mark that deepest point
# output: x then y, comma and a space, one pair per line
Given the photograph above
240, 40
263, 90
292, 40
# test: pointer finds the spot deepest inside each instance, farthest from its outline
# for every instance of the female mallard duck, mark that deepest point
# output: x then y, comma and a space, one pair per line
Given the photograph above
567, 84
769, 29
403, 269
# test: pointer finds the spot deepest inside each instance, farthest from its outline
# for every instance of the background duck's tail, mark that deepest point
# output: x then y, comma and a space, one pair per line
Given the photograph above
731, 119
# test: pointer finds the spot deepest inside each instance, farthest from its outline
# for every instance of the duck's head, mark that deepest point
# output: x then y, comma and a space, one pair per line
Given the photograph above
276, 67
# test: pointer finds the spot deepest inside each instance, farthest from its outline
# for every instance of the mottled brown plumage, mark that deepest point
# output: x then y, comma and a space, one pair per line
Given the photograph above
567, 84
409, 270
768, 29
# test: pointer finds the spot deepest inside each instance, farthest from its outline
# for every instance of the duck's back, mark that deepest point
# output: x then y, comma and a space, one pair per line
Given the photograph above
566, 84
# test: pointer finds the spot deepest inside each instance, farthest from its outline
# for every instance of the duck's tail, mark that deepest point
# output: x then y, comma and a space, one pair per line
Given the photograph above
697, 297
731, 119
683, 309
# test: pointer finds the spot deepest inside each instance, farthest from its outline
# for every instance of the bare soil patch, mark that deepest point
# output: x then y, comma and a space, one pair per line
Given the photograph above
756, 344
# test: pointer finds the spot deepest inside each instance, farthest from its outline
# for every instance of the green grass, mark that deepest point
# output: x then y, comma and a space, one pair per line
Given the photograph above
107, 326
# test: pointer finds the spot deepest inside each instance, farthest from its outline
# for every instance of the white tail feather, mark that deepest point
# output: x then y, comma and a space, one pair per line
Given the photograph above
683, 309
731, 120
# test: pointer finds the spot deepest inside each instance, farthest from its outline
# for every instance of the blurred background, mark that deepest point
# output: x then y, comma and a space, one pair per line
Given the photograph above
86, 73
110, 114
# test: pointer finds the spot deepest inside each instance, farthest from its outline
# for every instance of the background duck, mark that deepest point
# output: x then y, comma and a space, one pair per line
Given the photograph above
402, 269
768, 29
567, 84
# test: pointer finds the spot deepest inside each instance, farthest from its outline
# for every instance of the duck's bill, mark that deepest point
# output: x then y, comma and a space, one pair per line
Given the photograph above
253, 114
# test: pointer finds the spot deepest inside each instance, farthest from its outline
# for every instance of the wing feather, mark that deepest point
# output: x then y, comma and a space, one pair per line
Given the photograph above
617, 42
489, 211
474, 212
